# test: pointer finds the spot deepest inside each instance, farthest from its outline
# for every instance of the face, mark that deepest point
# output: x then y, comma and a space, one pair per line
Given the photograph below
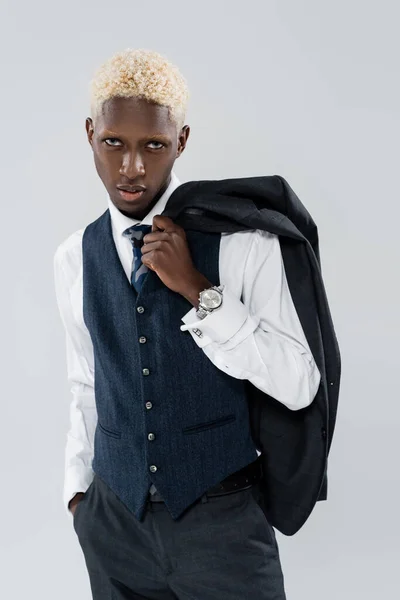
135, 144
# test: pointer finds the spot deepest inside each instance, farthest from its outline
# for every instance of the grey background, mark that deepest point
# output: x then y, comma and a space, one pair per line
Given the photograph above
308, 90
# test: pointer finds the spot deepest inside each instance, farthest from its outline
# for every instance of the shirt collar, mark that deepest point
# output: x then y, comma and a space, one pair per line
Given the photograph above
120, 222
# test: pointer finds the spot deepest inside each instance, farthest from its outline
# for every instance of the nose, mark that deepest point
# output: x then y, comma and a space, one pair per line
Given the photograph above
132, 166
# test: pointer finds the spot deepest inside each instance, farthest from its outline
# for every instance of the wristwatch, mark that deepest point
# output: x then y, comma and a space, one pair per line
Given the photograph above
209, 300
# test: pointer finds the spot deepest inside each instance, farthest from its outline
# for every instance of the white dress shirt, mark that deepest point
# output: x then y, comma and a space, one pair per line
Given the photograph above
256, 333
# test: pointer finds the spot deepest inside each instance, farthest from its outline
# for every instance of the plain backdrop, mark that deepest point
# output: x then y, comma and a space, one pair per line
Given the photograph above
305, 89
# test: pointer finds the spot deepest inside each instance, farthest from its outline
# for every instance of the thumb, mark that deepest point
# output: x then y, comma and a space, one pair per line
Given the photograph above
156, 224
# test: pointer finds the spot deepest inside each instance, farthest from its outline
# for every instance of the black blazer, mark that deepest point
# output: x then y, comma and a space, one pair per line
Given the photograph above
294, 444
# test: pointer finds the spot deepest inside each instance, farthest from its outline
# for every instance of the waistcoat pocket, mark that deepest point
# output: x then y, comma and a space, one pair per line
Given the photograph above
110, 432
210, 424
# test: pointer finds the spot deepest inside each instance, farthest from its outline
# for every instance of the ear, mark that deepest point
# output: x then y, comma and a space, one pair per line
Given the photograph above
89, 130
182, 140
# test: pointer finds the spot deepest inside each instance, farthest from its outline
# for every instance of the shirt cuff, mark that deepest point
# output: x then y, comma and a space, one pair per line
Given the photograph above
77, 479
221, 324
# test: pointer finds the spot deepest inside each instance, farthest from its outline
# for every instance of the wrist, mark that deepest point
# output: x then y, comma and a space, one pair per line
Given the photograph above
75, 499
196, 284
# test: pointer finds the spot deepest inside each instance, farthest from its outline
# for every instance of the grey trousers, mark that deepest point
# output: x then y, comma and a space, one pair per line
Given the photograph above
221, 548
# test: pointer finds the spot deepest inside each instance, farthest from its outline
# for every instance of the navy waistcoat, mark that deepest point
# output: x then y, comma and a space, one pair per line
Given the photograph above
152, 378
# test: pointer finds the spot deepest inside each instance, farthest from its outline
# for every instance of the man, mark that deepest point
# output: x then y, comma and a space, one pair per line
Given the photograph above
161, 469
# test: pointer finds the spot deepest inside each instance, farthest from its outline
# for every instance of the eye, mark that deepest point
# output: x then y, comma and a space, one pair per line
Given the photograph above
159, 144
112, 139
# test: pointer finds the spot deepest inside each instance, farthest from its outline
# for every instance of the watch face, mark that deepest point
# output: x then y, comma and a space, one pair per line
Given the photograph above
211, 299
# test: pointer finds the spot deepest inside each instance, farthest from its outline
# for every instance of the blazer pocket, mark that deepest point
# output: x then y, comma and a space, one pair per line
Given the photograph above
210, 424
110, 432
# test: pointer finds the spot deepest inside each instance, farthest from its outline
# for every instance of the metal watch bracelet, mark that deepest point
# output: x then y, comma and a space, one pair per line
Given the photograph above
202, 311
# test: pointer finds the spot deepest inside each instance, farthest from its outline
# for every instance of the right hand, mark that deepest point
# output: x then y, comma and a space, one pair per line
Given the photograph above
75, 501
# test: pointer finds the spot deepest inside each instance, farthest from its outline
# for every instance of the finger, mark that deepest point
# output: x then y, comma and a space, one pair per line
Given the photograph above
146, 248
154, 236
164, 223
148, 261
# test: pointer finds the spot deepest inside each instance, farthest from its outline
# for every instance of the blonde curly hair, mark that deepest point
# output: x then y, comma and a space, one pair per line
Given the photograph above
140, 73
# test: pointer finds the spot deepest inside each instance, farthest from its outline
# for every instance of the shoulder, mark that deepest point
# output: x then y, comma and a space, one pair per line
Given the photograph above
250, 235
68, 254
252, 240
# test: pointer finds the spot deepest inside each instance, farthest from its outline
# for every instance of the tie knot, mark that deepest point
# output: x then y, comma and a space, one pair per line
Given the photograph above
137, 232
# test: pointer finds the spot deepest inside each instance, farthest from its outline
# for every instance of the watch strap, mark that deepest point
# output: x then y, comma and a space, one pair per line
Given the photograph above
203, 312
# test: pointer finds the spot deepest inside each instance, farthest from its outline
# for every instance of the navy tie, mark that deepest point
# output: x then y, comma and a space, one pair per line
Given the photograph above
139, 270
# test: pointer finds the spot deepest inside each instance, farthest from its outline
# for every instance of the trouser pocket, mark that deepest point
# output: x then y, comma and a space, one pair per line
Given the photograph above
82, 502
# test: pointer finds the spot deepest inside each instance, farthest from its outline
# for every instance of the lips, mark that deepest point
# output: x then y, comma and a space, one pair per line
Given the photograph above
132, 188
127, 195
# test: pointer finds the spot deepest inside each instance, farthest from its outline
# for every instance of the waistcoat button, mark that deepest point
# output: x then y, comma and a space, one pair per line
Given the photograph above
146, 372
153, 468
142, 339
151, 437
140, 309
149, 405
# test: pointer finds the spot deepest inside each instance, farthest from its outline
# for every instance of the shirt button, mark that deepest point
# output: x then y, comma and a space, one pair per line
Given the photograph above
149, 405
142, 339
153, 468
140, 309
146, 372
151, 437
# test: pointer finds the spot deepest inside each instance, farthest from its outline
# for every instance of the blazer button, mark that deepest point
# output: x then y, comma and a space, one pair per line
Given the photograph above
151, 437
149, 405
146, 372
153, 468
323, 433
140, 309
142, 339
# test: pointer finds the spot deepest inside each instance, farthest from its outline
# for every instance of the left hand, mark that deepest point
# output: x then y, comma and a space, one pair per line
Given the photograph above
165, 250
